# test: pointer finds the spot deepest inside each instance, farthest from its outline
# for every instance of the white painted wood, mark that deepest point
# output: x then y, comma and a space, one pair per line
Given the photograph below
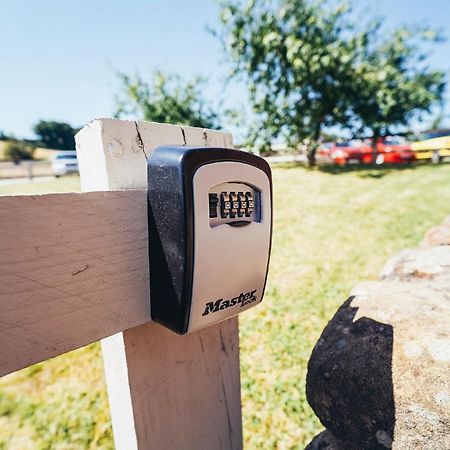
67, 265
120, 403
183, 391
165, 391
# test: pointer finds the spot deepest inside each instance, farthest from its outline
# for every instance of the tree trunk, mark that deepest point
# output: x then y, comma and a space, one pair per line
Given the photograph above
314, 145
312, 155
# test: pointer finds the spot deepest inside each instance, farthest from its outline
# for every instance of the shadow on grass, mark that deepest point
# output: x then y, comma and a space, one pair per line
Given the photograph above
362, 170
289, 165
367, 170
377, 171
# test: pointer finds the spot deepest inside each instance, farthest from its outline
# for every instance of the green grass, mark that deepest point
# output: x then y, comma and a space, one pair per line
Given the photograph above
63, 184
331, 230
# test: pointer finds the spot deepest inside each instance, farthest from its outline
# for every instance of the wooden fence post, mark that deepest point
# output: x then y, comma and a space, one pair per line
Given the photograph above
165, 391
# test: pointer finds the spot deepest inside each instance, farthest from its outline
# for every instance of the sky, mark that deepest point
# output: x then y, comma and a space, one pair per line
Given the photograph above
59, 59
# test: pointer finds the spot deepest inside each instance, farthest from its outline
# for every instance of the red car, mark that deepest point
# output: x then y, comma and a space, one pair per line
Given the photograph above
391, 150
343, 153
394, 150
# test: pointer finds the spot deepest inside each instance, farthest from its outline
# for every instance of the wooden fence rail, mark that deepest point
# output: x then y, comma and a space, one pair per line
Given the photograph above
68, 262
74, 269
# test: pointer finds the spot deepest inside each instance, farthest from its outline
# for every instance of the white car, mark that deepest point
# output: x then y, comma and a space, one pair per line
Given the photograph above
64, 162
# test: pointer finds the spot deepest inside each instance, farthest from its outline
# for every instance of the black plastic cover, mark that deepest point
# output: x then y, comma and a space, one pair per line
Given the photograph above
171, 221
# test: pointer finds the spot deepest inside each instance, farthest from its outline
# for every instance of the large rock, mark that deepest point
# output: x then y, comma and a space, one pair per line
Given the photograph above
429, 267
418, 263
379, 376
439, 235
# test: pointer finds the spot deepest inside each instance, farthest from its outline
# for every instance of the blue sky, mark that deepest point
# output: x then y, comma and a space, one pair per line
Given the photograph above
58, 58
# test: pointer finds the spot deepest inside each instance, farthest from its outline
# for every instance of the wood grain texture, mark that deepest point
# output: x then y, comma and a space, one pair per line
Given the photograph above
184, 390
68, 264
165, 391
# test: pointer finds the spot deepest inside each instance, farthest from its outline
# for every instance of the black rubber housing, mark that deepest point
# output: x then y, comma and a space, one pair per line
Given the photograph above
171, 225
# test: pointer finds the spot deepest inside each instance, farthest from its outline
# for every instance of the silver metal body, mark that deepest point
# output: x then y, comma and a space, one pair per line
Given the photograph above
230, 262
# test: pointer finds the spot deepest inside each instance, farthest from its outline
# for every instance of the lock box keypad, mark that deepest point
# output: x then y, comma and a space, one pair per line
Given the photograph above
231, 206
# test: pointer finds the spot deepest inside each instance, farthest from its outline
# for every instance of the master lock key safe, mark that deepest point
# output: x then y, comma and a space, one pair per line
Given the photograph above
210, 232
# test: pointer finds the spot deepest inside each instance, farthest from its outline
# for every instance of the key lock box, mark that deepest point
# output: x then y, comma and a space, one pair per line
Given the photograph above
210, 231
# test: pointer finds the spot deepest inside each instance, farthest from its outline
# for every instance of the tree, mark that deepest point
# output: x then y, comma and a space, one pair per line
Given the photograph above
4, 136
439, 119
393, 83
18, 150
297, 63
56, 135
166, 99
309, 67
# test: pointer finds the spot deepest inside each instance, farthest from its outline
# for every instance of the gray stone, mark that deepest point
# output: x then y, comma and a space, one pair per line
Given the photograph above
429, 267
379, 376
418, 263
439, 235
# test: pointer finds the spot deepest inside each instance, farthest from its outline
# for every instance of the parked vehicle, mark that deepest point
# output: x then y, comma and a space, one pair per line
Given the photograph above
343, 153
393, 150
434, 146
64, 162
390, 150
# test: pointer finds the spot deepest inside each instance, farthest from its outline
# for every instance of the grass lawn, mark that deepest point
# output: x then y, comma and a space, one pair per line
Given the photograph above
63, 184
331, 230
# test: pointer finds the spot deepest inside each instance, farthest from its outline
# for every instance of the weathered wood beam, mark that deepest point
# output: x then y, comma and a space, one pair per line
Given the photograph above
73, 270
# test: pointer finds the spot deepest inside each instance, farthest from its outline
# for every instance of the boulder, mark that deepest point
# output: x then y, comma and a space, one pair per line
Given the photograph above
430, 267
379, 376
439, 235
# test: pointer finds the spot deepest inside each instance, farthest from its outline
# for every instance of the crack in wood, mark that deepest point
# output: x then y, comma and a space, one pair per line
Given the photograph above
80, 270
139, 139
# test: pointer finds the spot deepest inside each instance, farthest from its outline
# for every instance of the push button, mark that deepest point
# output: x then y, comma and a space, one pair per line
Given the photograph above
213, 200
